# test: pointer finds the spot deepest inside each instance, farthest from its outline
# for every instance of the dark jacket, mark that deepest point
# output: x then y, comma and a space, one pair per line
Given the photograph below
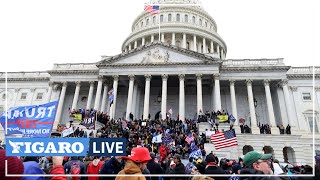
178, 169
215, 170
253, 171
68, 165
154, 168
111, 167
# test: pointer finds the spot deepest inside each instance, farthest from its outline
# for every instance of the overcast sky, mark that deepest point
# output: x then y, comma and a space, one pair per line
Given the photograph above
35, 34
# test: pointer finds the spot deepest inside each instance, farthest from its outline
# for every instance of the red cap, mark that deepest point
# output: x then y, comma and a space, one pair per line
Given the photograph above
139, 155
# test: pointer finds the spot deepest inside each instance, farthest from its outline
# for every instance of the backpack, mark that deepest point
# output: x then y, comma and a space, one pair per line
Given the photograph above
75, 170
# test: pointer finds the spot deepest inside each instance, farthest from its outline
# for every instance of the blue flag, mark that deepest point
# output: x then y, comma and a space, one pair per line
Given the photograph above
231, 118
31, 121
196, 153
193, 146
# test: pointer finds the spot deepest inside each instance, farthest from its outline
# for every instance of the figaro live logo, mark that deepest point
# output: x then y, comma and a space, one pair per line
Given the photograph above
66, 146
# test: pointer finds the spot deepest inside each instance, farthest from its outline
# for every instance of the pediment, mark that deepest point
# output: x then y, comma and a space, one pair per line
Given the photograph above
156, 54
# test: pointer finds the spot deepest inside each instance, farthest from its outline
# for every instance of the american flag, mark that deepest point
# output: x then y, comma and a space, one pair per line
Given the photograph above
189, 138
152, 9
224, 139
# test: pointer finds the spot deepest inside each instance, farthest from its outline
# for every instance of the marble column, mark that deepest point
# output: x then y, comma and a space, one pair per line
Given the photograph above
152, 38
130, 47
76, 96
90, 95
130, 96
282, 106
104, 97
98, 93
233, 101
162, 37
254, 126
146, 97
289, 105
164, 96
218, 50
272, 120
199, 94
134, 101
217, 98
60, 105
135, 44
181, 97
211, 47
115, 92
173, 40
317, 92
204, 50
143, 41
195, 43
184, 40
49, 91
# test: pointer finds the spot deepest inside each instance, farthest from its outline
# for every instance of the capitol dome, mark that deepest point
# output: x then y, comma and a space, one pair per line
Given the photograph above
183, 23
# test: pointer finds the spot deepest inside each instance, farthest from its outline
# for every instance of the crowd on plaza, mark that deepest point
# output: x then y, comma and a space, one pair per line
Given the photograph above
162, 147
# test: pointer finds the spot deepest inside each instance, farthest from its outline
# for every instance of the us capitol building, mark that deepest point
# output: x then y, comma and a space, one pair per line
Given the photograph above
186, 71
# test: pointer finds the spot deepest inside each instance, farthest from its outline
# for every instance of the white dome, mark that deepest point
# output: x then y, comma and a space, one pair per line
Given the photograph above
183, 23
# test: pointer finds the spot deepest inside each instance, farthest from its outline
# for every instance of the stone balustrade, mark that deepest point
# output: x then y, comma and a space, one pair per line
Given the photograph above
75, 66
253, 62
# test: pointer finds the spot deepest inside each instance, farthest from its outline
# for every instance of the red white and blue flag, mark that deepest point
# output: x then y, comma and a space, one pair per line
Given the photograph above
152, 9
189, 138
224, 139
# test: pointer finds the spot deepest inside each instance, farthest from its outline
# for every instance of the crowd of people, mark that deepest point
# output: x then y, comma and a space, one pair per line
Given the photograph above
155, 147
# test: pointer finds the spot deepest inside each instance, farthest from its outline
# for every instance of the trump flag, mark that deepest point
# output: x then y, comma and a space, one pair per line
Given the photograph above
31, 121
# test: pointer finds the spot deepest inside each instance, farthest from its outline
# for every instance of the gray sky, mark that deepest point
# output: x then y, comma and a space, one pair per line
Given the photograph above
35, 34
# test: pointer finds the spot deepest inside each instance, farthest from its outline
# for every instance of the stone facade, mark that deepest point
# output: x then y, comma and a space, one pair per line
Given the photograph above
151, 76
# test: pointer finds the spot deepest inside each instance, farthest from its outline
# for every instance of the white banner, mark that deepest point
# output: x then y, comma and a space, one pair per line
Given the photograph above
157, 139
67, 132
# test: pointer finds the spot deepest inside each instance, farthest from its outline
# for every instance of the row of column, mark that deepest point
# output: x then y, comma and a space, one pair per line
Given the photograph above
216, 98
205, 46
97, 106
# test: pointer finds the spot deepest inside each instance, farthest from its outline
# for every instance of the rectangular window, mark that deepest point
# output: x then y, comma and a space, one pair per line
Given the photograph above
23, 96
310, 120
39, 96
306, 96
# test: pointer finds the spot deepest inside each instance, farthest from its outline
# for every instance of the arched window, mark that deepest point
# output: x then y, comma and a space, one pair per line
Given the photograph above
161, 18
188, 45
154, 19
147, 22
186, 18
178, 17
141, 23
169, 17
200, 22
193, 19
206, 24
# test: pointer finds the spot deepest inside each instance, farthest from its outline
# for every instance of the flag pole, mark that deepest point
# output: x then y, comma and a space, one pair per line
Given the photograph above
159, 24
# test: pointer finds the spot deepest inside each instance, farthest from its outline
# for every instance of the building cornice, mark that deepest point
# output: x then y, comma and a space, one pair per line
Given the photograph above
302, 76
243, 69
26, 79
156, 65
73, 72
